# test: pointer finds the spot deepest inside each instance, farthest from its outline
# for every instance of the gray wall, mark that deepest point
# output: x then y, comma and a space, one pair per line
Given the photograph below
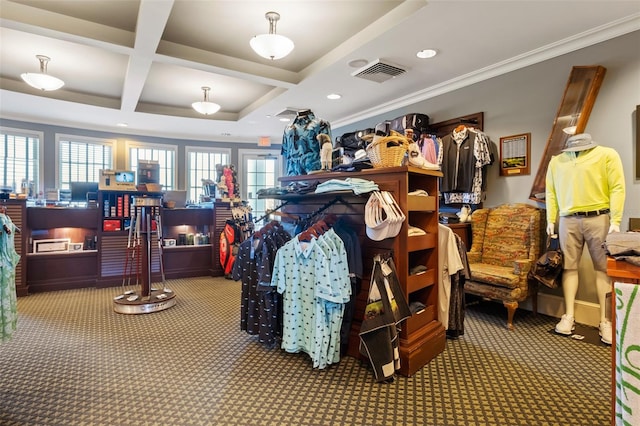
527, 100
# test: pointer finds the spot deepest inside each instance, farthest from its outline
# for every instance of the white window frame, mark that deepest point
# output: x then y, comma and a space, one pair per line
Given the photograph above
144, 145
201, 149
244, 155
83, 139
31, 134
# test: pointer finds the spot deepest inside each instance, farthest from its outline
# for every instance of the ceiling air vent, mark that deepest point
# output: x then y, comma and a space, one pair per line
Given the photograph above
378, 71
287, 113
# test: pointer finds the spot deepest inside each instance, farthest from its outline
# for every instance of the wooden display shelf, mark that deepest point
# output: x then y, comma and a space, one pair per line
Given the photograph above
423, 336
187, 261
420, 281
421, 203
421, 242
418, 321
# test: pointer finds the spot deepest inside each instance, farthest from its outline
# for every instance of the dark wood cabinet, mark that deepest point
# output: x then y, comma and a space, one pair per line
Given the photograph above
59, 269
99, 252
16, 210
193, 226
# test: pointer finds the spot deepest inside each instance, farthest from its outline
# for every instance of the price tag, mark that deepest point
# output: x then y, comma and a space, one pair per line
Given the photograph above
386, 270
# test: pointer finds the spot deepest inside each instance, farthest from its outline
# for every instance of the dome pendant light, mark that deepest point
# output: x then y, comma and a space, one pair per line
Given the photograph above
271, 46
41, 80
206, 107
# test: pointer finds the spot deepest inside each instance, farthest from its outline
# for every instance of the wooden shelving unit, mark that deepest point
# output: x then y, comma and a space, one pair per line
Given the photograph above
422, 335
187, 260
49, 271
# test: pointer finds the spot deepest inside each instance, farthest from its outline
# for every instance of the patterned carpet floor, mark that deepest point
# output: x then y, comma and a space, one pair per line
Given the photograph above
74, 361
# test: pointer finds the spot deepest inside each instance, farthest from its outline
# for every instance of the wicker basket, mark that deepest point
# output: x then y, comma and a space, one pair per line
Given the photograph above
388, 151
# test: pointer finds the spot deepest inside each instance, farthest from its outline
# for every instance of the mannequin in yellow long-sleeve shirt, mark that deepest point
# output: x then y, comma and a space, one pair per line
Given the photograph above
585, 188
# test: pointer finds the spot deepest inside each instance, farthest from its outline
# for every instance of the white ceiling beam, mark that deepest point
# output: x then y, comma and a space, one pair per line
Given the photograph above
152, 19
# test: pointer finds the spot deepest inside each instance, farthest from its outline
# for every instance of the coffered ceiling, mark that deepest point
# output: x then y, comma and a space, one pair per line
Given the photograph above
143, 62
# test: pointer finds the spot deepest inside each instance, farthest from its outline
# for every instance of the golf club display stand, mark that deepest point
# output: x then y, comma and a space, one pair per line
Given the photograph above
139, 296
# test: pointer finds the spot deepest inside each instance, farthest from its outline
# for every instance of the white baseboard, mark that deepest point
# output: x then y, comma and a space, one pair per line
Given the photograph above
586, 313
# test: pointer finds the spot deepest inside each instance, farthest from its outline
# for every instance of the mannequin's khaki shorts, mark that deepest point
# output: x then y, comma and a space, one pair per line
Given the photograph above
576, 231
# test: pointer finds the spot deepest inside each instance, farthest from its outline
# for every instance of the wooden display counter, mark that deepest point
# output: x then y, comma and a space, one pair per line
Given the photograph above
618, 271
70, 247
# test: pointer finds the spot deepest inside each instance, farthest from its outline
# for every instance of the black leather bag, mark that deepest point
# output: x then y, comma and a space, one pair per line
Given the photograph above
548, 268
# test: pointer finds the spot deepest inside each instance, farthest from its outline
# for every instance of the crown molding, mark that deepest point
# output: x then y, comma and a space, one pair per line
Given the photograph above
588, 38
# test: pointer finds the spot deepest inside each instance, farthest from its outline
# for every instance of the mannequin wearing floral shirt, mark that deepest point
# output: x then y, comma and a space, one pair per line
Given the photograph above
8, 260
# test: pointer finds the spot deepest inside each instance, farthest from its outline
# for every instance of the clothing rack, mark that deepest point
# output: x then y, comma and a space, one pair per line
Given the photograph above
269, 212
337, 199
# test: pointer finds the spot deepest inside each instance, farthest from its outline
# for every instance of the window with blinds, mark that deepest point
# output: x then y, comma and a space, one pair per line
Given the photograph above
81, 159
201, 164
20, 161
166, 158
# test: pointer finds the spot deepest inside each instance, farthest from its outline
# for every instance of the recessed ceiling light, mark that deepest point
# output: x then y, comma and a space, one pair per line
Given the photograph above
334, 96
426, 53
122, 125
358, 63
285, 119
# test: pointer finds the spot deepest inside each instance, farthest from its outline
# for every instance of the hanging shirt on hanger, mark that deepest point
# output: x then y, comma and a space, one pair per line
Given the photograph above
464, 155
313, 278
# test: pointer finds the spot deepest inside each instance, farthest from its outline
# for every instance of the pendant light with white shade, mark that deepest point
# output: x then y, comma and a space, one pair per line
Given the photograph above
272, 46
41, 80
206, 107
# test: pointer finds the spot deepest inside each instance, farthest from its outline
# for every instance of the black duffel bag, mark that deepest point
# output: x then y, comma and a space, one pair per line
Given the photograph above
419, 123
548, 268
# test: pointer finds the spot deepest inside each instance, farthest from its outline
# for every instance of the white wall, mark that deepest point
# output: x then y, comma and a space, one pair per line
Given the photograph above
526, 101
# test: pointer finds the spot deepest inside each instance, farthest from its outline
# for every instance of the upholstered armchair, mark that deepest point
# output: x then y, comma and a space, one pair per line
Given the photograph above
507, 240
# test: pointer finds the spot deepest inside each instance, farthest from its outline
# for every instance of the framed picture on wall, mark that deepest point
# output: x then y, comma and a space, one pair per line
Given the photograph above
515, 155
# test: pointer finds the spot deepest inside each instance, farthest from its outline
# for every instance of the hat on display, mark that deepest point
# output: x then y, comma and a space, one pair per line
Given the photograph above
383, 217
579, 142
377, 225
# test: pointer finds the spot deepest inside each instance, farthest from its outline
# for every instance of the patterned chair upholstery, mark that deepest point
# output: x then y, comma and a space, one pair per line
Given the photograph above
507, 240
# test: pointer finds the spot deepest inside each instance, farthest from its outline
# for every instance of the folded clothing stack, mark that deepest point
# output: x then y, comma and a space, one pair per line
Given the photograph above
357, 185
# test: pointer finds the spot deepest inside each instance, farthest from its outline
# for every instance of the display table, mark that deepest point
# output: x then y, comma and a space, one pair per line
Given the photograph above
618, 271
